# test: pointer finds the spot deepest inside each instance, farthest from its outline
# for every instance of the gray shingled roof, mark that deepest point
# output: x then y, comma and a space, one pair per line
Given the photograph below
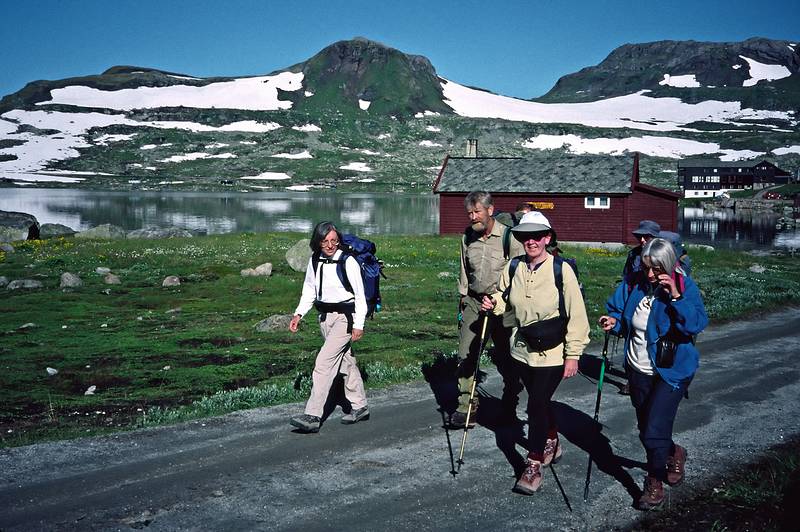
566, 174
716, 163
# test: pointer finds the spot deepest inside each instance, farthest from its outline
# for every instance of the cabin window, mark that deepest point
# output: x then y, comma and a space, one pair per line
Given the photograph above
597, 202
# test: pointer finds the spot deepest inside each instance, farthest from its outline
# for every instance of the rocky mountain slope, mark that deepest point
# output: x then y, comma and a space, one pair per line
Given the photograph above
362, 115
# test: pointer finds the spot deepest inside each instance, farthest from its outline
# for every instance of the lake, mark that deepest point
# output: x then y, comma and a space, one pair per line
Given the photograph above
362, 213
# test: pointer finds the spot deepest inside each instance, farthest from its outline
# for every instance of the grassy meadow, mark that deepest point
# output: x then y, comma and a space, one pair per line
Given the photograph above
158, 355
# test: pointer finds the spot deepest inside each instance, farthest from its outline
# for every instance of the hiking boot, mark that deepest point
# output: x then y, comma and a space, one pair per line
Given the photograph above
675, 466
459, 419
306, 423
552, 451
531, 478
362, 414
653, 495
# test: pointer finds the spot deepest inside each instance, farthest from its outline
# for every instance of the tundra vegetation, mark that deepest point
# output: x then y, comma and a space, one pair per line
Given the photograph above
158, 355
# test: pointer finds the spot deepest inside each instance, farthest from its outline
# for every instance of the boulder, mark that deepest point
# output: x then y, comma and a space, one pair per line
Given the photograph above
5, 247
156, 232
104, 231
102, 270
55, 231
26, 284
297, 256
70, 280
172, 280
3, 281
110, 278
263, 270
18, 226
277, 322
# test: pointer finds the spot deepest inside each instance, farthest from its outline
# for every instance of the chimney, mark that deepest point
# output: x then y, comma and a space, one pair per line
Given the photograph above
472, 148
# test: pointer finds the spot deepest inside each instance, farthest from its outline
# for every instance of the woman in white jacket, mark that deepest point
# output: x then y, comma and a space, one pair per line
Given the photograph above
341, 317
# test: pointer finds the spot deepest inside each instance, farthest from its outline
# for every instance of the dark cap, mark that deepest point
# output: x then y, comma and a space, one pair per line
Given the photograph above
647, 227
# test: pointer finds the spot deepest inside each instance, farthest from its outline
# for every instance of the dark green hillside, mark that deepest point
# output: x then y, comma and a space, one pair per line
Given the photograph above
347, 71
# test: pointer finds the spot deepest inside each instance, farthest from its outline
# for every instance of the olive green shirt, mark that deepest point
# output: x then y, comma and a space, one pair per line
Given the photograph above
534, 297
482, 259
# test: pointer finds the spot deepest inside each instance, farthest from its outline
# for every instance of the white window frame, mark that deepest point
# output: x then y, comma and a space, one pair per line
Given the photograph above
596, 202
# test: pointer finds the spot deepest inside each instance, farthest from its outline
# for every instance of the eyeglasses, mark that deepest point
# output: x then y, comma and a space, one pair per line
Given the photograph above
329, 243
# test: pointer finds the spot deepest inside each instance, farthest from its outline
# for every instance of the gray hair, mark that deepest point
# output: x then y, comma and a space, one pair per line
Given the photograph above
661, 253
478, 196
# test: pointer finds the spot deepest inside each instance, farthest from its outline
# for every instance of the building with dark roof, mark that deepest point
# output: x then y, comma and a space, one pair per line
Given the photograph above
586, 198
706, 178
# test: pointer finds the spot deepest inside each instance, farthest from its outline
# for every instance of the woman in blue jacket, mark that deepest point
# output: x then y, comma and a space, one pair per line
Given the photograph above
658, 316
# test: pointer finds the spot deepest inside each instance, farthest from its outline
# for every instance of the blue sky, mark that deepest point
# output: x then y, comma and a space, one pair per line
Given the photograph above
515, 48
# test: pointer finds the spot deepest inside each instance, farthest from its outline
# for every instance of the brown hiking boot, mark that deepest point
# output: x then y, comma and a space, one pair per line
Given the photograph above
552, 451
459, 419
653, 495
531, 478
675, 466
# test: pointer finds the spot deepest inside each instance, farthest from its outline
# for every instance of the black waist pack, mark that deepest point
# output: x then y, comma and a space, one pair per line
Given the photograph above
665, 353
546, 334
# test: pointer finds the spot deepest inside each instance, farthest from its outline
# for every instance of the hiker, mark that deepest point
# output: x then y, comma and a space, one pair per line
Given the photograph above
658, 320
683, 257
483, 256
341, 318
647, 230
542, 296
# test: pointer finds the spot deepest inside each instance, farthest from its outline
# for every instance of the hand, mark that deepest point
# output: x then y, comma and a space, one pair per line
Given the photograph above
294, 323
570, 368
607, 322
666, 282
357, 334
487, 303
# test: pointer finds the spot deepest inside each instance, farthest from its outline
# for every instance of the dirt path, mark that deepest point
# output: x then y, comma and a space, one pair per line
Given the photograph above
249, 471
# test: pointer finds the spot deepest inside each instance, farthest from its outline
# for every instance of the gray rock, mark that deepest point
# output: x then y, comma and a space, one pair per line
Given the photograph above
263, 270
172, 280
70, 280
26, 326
757, 268
26, 284
277, 322
18, 226
104, 231
5, 247
297, 256
102, 270
110, 278
3, 281
55, 231
156, 232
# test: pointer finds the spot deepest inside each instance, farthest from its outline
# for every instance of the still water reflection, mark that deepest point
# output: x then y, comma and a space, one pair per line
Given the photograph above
386, 213
228, 212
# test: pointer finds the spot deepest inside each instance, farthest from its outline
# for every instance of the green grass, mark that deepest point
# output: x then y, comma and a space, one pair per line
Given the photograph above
162, 354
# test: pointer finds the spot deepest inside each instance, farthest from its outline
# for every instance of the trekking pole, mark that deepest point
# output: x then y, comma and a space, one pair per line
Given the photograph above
472, 390
603, 363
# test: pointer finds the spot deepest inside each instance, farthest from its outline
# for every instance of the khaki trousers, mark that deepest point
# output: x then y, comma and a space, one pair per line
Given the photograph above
335, 356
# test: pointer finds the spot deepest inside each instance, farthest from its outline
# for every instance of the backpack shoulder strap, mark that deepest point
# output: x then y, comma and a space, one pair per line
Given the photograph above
506, 242
558, 273
512, 269
341, 271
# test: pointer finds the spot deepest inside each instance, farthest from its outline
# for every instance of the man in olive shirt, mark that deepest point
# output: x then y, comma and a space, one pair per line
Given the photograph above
482, 260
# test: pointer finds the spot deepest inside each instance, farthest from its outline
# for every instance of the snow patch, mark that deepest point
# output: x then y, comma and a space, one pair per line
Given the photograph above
31, 177
254, 94
634, 111
308, 128
764, 72
433, 128
384, 136
195, 156
105, 140
648, 145
154, 146
302, 155
308, 94
429, 144
364, 104
425, 113
367, 180
786, 150
686, 80
268, 176
358, 167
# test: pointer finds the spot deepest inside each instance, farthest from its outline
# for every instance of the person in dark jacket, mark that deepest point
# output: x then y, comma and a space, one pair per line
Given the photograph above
658, 318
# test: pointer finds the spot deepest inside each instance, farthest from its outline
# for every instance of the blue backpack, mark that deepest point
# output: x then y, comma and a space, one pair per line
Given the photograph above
371, 269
